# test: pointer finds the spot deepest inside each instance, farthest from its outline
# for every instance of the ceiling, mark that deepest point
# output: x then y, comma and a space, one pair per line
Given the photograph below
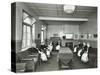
56, 10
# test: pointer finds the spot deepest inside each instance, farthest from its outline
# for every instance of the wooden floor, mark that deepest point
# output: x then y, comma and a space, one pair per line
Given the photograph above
52, 64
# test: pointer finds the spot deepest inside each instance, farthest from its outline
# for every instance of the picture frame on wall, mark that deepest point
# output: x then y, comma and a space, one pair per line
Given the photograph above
83, 36
90, 36
95, 36
76, 36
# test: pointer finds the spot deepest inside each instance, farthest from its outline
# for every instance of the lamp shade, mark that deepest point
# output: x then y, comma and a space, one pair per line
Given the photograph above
69, 9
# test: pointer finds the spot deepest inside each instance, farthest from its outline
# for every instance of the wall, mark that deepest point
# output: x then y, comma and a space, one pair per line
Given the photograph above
13, 28
84, 27
61, 29
90, 27
19, 8
13, 37
69, 27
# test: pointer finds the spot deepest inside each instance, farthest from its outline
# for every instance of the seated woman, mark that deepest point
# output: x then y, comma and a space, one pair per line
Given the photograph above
43, 46
50, 46
42, 51
49, 49
84, 49
85, 55
76, 47
48, 53
43, 56
80, 45
58, 46
81, 49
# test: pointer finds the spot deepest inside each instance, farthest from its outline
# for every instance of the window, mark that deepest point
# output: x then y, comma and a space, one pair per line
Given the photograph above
28, 30
26, 42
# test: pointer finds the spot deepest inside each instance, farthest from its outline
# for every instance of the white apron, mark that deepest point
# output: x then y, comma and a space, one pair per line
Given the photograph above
79, 53
43, 56
48, 53
75, 49
84, 57
50, 47
58, 47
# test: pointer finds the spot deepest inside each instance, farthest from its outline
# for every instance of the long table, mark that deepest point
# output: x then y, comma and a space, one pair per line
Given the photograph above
65, 56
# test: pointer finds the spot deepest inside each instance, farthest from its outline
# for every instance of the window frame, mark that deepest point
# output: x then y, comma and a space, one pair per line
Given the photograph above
26, 46
31, 30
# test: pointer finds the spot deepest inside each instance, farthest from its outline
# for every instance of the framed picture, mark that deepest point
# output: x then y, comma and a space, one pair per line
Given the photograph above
95, 35
89, 36
76, 36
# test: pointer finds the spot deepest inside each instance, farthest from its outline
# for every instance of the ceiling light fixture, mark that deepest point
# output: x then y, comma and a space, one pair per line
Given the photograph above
69, 9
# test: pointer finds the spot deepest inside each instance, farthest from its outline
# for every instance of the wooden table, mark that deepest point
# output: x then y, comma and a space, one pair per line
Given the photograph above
65, 56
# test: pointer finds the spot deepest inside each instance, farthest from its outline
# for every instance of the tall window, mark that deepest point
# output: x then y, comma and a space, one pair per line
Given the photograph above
28, 30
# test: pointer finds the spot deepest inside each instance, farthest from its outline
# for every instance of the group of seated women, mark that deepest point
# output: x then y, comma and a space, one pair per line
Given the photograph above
82, 51
45, 51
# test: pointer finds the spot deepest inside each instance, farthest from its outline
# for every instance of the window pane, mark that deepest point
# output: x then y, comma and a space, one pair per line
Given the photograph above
28, 29
24, 37
28, 40
33, 32
28, 36
28, 20
28, 43
24, 28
